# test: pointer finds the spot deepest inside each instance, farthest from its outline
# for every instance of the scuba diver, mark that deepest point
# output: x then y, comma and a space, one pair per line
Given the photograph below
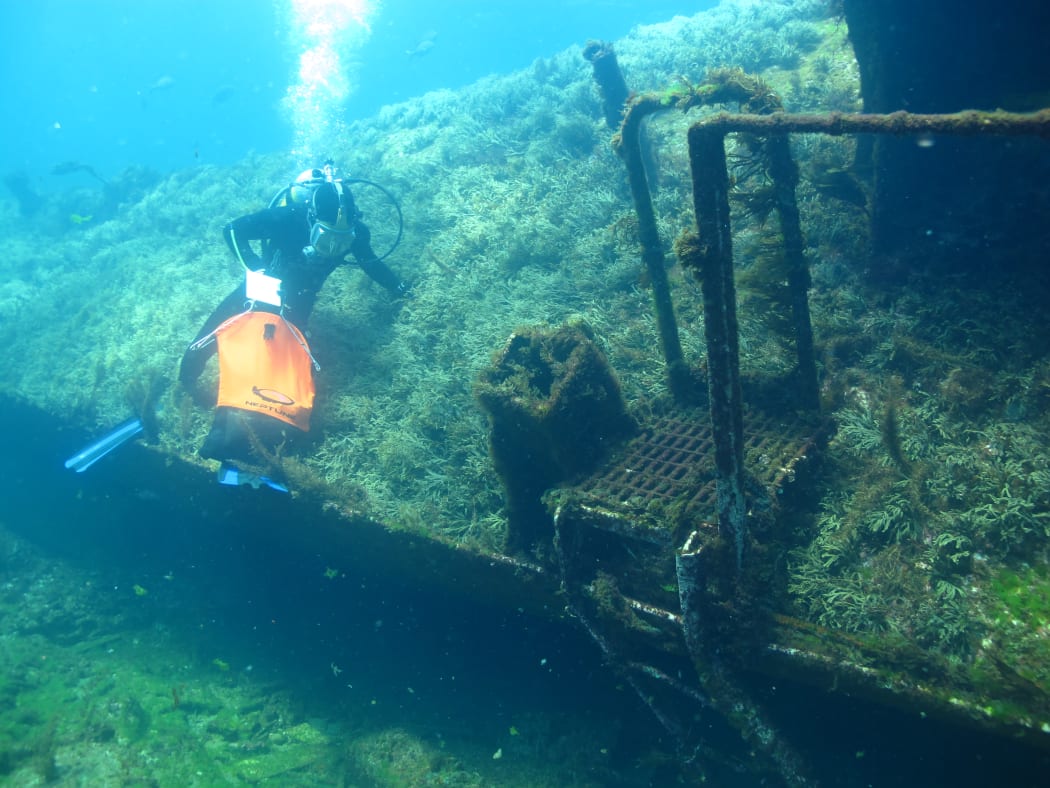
265, 366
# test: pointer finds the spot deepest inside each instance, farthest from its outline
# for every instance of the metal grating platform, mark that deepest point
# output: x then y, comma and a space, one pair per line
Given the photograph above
672, 460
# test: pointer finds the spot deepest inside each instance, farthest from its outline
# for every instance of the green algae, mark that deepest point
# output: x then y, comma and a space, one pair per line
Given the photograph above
1019, 613
1025, 594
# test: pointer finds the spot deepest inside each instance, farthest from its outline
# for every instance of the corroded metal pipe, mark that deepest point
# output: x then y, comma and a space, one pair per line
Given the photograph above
609, 78
720, 689
714, 254
628, 145
969, 123
784, 174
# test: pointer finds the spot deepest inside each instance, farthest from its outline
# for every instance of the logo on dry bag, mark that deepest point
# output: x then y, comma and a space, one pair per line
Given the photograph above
271, 395
265, 367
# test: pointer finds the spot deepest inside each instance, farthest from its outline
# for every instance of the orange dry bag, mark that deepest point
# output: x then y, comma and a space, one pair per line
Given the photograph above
265, 367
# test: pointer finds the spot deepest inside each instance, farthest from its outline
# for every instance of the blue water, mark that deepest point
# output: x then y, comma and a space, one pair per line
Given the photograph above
169, 84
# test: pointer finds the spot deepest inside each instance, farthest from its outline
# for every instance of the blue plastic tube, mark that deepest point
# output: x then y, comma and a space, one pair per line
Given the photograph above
94, 452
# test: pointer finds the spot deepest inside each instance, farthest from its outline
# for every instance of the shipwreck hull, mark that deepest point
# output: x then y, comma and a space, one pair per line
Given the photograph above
618, 523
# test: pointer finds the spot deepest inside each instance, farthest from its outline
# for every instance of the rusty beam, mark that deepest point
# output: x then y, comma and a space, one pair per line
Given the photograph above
968, 123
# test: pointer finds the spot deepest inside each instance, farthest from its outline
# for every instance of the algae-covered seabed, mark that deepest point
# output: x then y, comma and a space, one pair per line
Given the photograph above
932, 520
204, 672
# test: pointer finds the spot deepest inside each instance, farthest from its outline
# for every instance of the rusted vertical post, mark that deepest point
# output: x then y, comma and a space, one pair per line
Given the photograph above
707, 160
629, 148
723, 691
609, 78
784, 173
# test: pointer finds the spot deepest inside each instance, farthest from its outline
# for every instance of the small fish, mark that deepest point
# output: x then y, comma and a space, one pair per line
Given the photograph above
164, 83
223, 94
840, 184
426, 43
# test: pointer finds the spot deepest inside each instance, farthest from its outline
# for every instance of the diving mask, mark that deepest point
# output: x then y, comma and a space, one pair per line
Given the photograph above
328, 241
333, 218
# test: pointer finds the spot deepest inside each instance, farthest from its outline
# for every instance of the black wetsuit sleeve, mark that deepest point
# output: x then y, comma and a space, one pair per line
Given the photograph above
277, 224
236, 236
370, 263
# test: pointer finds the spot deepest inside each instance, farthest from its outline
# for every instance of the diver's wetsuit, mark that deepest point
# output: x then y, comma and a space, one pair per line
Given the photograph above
285, 231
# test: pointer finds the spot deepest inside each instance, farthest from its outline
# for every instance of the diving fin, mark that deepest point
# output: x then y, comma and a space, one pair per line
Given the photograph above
233, 476
95, 451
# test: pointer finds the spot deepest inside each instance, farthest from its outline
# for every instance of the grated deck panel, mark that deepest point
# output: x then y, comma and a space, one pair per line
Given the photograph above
672, 460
